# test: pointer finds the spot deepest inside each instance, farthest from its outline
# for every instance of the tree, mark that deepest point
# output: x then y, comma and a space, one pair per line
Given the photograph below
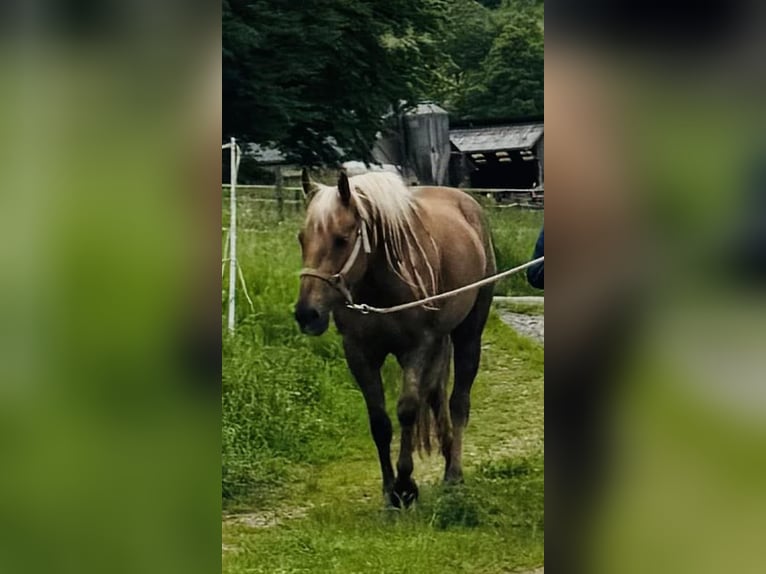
315, 78
466, 39
492, 64
512, 75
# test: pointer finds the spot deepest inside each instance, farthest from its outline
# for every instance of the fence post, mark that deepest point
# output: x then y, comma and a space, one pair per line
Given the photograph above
232, 235
280, 191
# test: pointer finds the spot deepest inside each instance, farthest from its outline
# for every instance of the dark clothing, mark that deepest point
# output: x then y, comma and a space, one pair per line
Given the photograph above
745, 255
535, 273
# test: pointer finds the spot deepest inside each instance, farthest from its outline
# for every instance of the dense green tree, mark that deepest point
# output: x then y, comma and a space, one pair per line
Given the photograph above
317, 76
467, 36
512, 75
493, 59
490, 3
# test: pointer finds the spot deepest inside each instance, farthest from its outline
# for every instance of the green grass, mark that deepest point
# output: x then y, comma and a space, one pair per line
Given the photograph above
514, 233
296, 441
493, 523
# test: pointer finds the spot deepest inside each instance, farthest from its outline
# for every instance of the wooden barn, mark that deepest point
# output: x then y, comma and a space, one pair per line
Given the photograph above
498, 155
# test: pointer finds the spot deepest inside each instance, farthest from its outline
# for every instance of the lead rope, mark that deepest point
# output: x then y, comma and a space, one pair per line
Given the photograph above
365, 309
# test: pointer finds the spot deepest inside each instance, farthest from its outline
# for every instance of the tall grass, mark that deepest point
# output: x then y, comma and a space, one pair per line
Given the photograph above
289, 399
514, 233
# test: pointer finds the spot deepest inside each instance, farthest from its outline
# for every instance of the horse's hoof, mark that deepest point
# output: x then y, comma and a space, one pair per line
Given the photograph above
404, 494
453, 477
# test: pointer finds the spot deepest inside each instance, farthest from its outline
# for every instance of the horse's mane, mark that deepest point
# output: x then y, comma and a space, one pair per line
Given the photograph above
389, 209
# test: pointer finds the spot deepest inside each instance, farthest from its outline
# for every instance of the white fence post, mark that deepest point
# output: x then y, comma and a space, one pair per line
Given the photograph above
233, 235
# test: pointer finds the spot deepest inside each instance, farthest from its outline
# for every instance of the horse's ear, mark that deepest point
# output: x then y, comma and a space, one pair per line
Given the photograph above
344, 189
309, 187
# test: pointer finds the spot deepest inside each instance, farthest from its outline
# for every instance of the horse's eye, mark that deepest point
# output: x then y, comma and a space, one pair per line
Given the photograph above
340, 241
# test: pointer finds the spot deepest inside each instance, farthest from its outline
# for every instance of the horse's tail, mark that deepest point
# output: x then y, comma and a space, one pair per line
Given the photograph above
434, 417
424, 427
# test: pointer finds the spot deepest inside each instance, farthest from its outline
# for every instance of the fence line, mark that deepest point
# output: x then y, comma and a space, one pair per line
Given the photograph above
516, 204
230, 240
269, 200
533, 191
531, 198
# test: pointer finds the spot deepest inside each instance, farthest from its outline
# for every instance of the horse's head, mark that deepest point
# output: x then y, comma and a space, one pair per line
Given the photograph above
334, 245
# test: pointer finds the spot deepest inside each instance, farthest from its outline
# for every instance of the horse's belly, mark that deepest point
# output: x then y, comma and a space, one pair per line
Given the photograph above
405, 329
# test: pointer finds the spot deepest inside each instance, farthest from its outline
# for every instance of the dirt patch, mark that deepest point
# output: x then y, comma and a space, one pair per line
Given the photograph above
268, 518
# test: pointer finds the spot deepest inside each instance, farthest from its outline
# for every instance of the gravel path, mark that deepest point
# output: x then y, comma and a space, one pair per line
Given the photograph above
532, 326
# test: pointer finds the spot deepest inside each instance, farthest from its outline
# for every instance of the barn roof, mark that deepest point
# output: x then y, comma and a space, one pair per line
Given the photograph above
265, 154
488, 138
271, 155
424, 108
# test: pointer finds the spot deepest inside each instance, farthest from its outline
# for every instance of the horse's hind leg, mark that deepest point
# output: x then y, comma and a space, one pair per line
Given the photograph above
437, 399
466, 341
407, 410
421, 368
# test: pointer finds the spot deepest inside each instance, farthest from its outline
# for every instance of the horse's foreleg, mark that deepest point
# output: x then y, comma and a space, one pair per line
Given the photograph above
380, 426
365, 366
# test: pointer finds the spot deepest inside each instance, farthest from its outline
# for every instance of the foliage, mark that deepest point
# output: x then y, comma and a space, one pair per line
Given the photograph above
489, 3
512, 73
497, 58
317, 77
466, 40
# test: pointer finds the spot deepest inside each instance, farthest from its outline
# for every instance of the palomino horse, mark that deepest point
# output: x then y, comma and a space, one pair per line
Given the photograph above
373, 240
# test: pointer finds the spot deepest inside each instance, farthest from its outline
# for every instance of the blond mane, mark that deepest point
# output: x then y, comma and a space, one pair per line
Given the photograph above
389, 209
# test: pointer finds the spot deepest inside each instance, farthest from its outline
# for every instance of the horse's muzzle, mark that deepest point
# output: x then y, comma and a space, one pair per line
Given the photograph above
310, 320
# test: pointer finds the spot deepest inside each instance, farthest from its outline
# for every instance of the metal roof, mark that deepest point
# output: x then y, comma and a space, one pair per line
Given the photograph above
270, 155
264, 154
359, 167
521, 136
424, 108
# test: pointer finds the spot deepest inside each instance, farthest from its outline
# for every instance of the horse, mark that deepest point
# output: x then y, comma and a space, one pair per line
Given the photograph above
371, 239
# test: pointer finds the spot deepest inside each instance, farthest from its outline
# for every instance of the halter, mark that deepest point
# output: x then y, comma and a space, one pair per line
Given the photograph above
338, 280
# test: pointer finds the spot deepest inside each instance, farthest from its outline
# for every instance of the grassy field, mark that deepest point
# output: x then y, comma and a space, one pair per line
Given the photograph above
300, 474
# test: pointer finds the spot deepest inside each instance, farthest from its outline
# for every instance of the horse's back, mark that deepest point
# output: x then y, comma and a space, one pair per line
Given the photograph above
459, 220
450, 195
